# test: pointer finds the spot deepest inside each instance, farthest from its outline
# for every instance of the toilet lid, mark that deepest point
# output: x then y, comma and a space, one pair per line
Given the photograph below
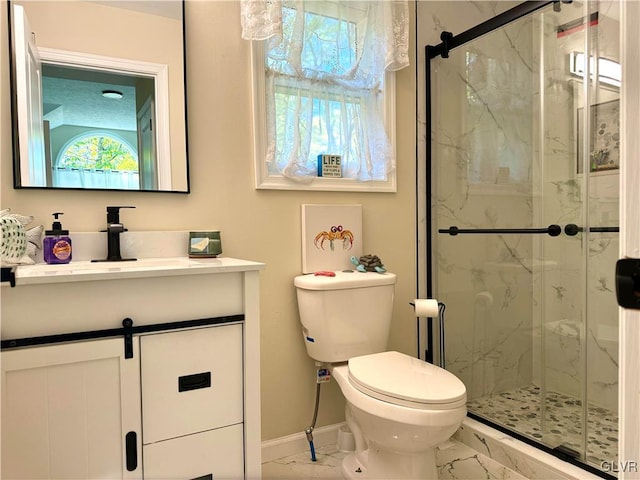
401, 379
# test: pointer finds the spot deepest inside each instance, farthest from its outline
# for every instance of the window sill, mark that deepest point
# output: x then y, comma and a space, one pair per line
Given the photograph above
321, 184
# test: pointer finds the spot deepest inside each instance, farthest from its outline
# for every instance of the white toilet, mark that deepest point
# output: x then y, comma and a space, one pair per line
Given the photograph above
399, 408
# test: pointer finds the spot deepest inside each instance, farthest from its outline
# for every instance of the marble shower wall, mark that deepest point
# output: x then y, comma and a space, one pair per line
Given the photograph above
483, 153
505, 156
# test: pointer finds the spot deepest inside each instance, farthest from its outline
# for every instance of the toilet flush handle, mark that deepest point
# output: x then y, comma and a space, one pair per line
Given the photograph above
324, 273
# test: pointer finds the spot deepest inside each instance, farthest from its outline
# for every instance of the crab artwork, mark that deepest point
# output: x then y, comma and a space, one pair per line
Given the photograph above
335, 233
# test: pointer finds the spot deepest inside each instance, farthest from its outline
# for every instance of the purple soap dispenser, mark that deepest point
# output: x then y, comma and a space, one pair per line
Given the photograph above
57, 244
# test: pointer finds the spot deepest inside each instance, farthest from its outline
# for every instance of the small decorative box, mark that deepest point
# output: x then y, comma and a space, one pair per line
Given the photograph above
204, 244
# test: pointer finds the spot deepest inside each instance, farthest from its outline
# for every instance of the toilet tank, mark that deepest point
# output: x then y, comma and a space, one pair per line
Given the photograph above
345, 316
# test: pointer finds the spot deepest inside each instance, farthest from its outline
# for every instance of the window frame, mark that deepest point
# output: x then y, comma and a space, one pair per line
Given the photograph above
265, 181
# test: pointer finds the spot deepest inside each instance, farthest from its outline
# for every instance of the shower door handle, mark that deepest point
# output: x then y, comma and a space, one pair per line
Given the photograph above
628, 283
571, 229
552, 230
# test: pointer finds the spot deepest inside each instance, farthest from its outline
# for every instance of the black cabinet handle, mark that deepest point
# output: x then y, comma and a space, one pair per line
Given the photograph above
131, 449
204, 477
194, 382
127, 330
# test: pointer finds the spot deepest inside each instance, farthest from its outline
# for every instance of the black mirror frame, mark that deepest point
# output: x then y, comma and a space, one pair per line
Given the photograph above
14, 116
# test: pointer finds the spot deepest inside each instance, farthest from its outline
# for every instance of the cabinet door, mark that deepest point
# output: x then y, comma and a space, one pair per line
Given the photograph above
213, 455
191, 381
66, 410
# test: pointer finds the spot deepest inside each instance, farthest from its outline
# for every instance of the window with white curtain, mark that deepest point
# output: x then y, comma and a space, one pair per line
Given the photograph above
324, 85
97, 159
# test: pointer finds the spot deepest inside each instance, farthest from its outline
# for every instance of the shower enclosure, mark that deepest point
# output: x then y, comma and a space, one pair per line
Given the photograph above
523, 164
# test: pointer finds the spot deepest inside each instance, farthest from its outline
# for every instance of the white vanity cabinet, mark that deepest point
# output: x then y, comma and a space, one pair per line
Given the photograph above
173, 395
66, 410
192, 403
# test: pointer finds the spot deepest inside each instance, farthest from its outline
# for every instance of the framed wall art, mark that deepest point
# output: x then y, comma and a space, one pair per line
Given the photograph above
604, 151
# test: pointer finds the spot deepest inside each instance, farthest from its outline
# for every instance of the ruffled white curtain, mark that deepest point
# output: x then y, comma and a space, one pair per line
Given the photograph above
325, 62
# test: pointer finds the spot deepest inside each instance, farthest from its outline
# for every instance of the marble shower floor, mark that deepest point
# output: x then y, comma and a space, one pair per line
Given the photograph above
519, 409
454, 460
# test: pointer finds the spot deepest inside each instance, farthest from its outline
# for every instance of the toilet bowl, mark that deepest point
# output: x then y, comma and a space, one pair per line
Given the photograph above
398, 407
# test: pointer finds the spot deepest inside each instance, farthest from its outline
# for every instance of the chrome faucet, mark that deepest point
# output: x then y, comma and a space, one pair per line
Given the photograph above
114, 229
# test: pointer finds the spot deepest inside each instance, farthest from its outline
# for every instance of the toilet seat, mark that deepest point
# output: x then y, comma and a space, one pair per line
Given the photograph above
399, 379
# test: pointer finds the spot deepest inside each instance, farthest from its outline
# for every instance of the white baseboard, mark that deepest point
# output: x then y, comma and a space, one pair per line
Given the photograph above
297, 442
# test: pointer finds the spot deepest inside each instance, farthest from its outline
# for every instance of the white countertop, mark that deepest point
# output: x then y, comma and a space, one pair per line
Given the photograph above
82, 271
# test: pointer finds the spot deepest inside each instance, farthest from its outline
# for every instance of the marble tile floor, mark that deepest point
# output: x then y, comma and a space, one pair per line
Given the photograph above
519, 409
454, 460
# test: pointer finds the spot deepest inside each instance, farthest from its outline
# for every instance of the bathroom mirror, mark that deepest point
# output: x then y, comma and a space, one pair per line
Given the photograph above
98, 95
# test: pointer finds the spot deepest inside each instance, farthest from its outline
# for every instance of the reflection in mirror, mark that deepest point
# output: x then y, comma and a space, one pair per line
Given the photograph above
99, 95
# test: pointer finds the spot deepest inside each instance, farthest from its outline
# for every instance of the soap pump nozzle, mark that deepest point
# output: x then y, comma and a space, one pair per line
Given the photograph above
56, 227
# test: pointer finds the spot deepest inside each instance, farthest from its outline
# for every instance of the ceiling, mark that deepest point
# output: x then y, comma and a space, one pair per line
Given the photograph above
73, 96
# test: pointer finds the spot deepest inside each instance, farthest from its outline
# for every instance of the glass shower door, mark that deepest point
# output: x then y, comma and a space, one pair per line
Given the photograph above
524, 220
579, 366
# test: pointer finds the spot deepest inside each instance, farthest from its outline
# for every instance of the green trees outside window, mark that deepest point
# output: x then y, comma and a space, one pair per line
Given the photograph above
99, 152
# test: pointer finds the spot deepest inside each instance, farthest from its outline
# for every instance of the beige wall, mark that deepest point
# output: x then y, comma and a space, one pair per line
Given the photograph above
257, 225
